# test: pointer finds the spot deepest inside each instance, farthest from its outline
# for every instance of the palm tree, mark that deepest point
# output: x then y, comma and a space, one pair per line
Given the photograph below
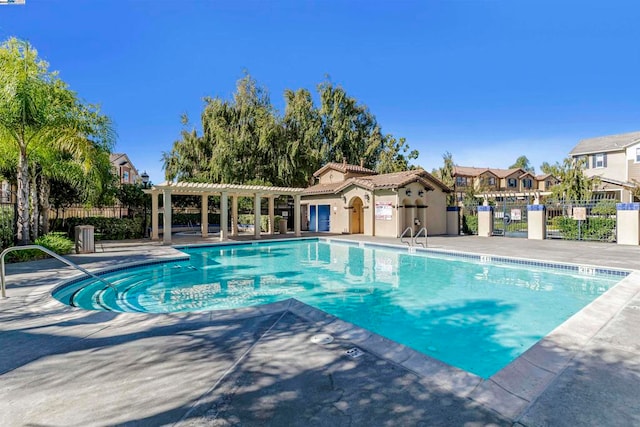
38, 110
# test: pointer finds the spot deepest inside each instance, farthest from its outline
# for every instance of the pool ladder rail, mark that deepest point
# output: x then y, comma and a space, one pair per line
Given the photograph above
50, 253
413, 240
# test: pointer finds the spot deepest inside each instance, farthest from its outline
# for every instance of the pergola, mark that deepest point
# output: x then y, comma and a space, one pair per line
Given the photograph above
167, 189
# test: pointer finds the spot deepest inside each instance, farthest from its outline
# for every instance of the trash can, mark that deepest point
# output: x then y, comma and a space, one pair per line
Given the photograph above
84, 239
283, 226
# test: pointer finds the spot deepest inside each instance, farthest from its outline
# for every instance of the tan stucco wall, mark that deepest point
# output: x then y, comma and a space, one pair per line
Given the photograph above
628, 227
335, 203
434, 216
436, 221
504, 182
388, 228
616, 167
633, 169
331, 176
536, 225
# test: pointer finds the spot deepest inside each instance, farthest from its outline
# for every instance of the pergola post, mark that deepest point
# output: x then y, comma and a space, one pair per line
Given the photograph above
166, 226
296, 215
272, 217
234, 215
154, 215
256, 216
204, 216
224, 215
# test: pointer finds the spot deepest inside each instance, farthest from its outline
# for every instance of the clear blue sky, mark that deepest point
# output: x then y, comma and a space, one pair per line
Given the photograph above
486, 80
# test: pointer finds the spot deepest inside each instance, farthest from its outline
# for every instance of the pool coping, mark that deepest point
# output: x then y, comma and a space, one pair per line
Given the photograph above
509, 392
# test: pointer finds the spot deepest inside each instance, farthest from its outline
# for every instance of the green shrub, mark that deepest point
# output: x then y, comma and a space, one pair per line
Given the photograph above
264, 221
107, 228
6, 227
56, 242
594, 228
604, 207
179, 218
470, 224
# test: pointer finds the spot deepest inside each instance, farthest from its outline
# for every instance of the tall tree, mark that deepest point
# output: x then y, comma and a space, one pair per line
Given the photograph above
244, 140
395, 155
523, 163
301, 151
552, 169
349, 131
574, 184
445, 174
37, 109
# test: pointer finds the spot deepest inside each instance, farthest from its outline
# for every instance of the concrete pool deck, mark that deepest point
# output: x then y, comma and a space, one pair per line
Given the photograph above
258, 366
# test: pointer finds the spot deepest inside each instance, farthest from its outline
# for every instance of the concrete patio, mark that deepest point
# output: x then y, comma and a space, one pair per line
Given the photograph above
259, 366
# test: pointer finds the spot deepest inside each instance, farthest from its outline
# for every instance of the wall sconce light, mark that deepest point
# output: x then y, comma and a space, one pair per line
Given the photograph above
344, 199
421, 193
407, 192
366, 197
335, 209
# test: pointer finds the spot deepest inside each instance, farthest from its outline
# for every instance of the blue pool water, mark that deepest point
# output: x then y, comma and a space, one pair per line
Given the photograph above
470, 314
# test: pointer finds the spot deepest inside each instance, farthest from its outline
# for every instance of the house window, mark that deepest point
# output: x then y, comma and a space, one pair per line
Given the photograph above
637, 155
512, 183
598, 161
125, 176
461, 181
527, 183
548, 184
492, 181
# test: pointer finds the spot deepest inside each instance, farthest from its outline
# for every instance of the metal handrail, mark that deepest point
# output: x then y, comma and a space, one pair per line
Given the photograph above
415, 238
48, 252
410, 230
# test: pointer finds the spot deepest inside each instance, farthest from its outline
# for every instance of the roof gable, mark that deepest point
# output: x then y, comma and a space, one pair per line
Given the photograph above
605, 143
344, 168
382, 181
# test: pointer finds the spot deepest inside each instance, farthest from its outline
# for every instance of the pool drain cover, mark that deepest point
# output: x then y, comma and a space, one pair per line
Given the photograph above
322, 339
354, 353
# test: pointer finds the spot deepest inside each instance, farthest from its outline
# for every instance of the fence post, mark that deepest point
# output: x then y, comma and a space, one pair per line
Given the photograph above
536, 222
628, 223
485, 221
453, 220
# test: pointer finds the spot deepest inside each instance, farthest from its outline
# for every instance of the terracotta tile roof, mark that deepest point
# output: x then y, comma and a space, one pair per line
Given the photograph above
322, 188
606, 143
468, 171
344, 168
473, 171
544, 176
382, 181
396, 179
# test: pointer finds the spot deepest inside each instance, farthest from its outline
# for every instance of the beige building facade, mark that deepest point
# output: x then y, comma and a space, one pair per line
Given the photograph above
615, 159
356, 200
500, 182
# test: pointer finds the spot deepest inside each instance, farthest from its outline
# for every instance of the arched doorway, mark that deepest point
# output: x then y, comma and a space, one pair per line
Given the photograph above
356, 223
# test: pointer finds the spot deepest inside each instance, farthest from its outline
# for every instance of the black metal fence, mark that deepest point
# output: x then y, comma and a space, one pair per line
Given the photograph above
593, 220
510, 218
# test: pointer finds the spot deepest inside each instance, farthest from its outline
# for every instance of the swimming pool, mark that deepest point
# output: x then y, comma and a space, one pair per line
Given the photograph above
468, 311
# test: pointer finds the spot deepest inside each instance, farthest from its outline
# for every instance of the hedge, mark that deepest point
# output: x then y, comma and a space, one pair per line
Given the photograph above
106, 228
594, 228
264, 221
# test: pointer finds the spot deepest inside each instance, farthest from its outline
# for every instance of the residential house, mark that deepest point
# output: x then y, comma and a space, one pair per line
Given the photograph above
124, 169
615, 159
353, 199
499, 183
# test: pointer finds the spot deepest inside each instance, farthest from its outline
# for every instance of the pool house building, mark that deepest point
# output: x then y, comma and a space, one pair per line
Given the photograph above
356, 200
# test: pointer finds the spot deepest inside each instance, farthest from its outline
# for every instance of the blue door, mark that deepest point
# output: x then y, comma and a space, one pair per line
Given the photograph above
324, 216
312, 218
